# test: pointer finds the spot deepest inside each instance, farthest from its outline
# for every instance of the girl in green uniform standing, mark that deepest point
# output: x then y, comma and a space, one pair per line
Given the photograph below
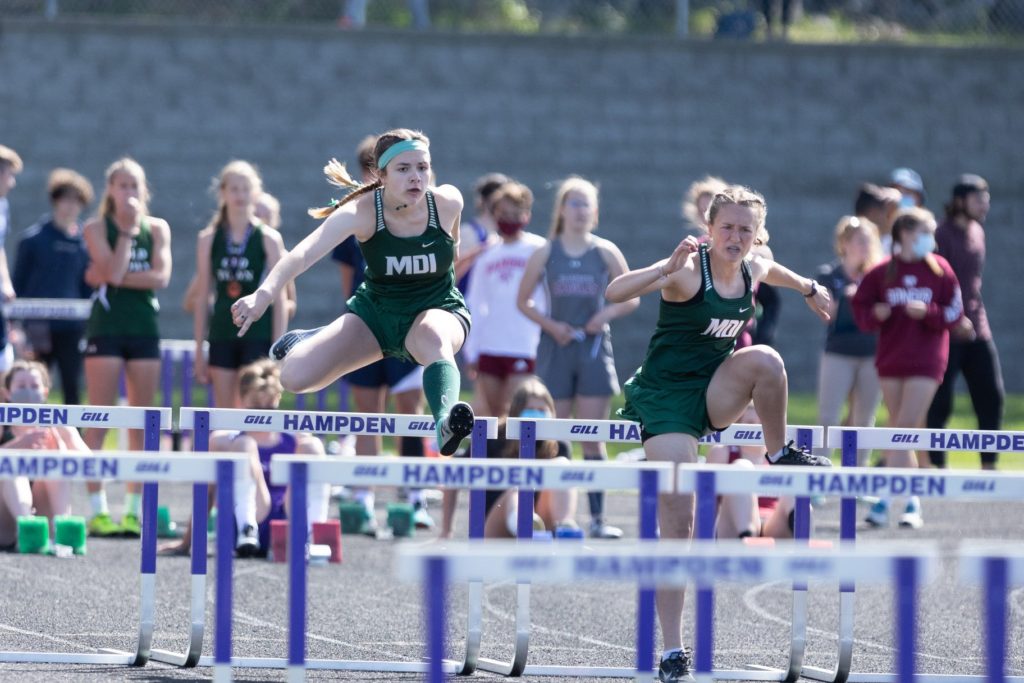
232, 254
129, 259
407, 307
691, 382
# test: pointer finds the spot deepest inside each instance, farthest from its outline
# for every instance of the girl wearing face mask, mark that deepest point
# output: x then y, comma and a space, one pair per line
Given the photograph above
574, 357
912, 300
29, 382
503, 344
556, 509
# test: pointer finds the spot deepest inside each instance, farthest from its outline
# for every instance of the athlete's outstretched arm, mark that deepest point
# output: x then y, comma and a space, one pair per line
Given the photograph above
778, 275
655, 277
337, 227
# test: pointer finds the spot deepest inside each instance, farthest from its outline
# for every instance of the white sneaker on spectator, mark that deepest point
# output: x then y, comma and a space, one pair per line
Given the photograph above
598, 529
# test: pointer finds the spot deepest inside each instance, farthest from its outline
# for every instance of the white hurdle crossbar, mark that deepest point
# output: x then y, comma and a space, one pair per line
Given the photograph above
151, 468
151, 421
529, 431
203, 420
473, 474
664, 564
973, 486
48, 309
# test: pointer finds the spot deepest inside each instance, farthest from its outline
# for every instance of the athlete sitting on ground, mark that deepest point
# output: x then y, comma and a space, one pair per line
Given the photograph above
29, 382
747, 515
257, 501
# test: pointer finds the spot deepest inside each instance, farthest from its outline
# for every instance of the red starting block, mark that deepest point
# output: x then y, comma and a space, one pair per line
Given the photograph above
329, 533
324, 533
279, 540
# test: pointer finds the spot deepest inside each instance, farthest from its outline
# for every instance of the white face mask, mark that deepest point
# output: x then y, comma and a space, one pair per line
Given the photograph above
924, 244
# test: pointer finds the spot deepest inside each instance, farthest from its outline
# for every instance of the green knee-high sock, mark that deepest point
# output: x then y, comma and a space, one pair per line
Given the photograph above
441, 384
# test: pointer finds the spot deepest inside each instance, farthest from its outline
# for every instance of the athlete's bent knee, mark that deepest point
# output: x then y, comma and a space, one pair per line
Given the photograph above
291, 376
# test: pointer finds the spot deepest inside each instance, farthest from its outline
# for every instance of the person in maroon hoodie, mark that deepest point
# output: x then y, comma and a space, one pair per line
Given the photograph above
961, 241
913, 300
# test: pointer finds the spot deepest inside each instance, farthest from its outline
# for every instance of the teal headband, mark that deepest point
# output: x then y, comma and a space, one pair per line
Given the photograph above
399, 147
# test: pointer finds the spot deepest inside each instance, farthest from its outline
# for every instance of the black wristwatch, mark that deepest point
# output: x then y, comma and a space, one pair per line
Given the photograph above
814, 290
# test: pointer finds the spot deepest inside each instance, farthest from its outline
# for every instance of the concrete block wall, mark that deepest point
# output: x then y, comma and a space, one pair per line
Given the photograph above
643, 117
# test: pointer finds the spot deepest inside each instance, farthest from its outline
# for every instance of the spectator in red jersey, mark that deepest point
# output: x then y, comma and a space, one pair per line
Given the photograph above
913, 300
961, 241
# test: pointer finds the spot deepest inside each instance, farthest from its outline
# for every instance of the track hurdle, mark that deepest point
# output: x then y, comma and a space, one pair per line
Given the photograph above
848, 482
528, 431
202, 421
472, 474
151, 421
216, 468
849, 439
666, 564
995, 570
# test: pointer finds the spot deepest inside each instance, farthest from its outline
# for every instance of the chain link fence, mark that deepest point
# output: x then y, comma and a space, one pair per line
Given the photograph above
919, 21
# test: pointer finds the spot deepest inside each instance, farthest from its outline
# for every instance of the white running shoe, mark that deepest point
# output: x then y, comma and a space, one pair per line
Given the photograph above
911, 517
879, 514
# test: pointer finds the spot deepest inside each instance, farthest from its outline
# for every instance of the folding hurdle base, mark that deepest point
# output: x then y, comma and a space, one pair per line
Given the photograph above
151, 426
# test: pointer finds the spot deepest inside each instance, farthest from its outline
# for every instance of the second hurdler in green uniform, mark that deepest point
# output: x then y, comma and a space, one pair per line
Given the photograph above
691, 381
407, 307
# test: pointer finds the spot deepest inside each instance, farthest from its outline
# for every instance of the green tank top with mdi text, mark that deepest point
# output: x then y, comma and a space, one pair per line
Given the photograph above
405, 275
236, 270
124, 311
693, 337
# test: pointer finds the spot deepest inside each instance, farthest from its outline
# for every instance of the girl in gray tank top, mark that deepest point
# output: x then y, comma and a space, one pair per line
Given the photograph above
574, 356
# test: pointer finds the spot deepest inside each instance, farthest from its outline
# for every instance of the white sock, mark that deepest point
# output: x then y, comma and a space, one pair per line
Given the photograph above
98, 502
245, 502
366, 497
317, 499
776, 455
666, 653
133, 504
414, 496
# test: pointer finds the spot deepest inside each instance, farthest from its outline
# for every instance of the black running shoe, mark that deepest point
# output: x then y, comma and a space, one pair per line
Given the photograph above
676, 667
798, 456
248, 543
287, 341
454, 428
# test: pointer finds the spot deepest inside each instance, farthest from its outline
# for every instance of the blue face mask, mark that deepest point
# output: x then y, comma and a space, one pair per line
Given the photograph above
924, 244
907, 201
534, 414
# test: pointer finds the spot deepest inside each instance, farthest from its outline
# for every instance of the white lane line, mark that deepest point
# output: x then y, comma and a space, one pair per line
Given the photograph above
510, 617
749, 600
46, 636
256, 621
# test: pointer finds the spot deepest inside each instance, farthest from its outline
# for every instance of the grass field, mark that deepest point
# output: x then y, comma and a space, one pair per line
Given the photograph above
803, 410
